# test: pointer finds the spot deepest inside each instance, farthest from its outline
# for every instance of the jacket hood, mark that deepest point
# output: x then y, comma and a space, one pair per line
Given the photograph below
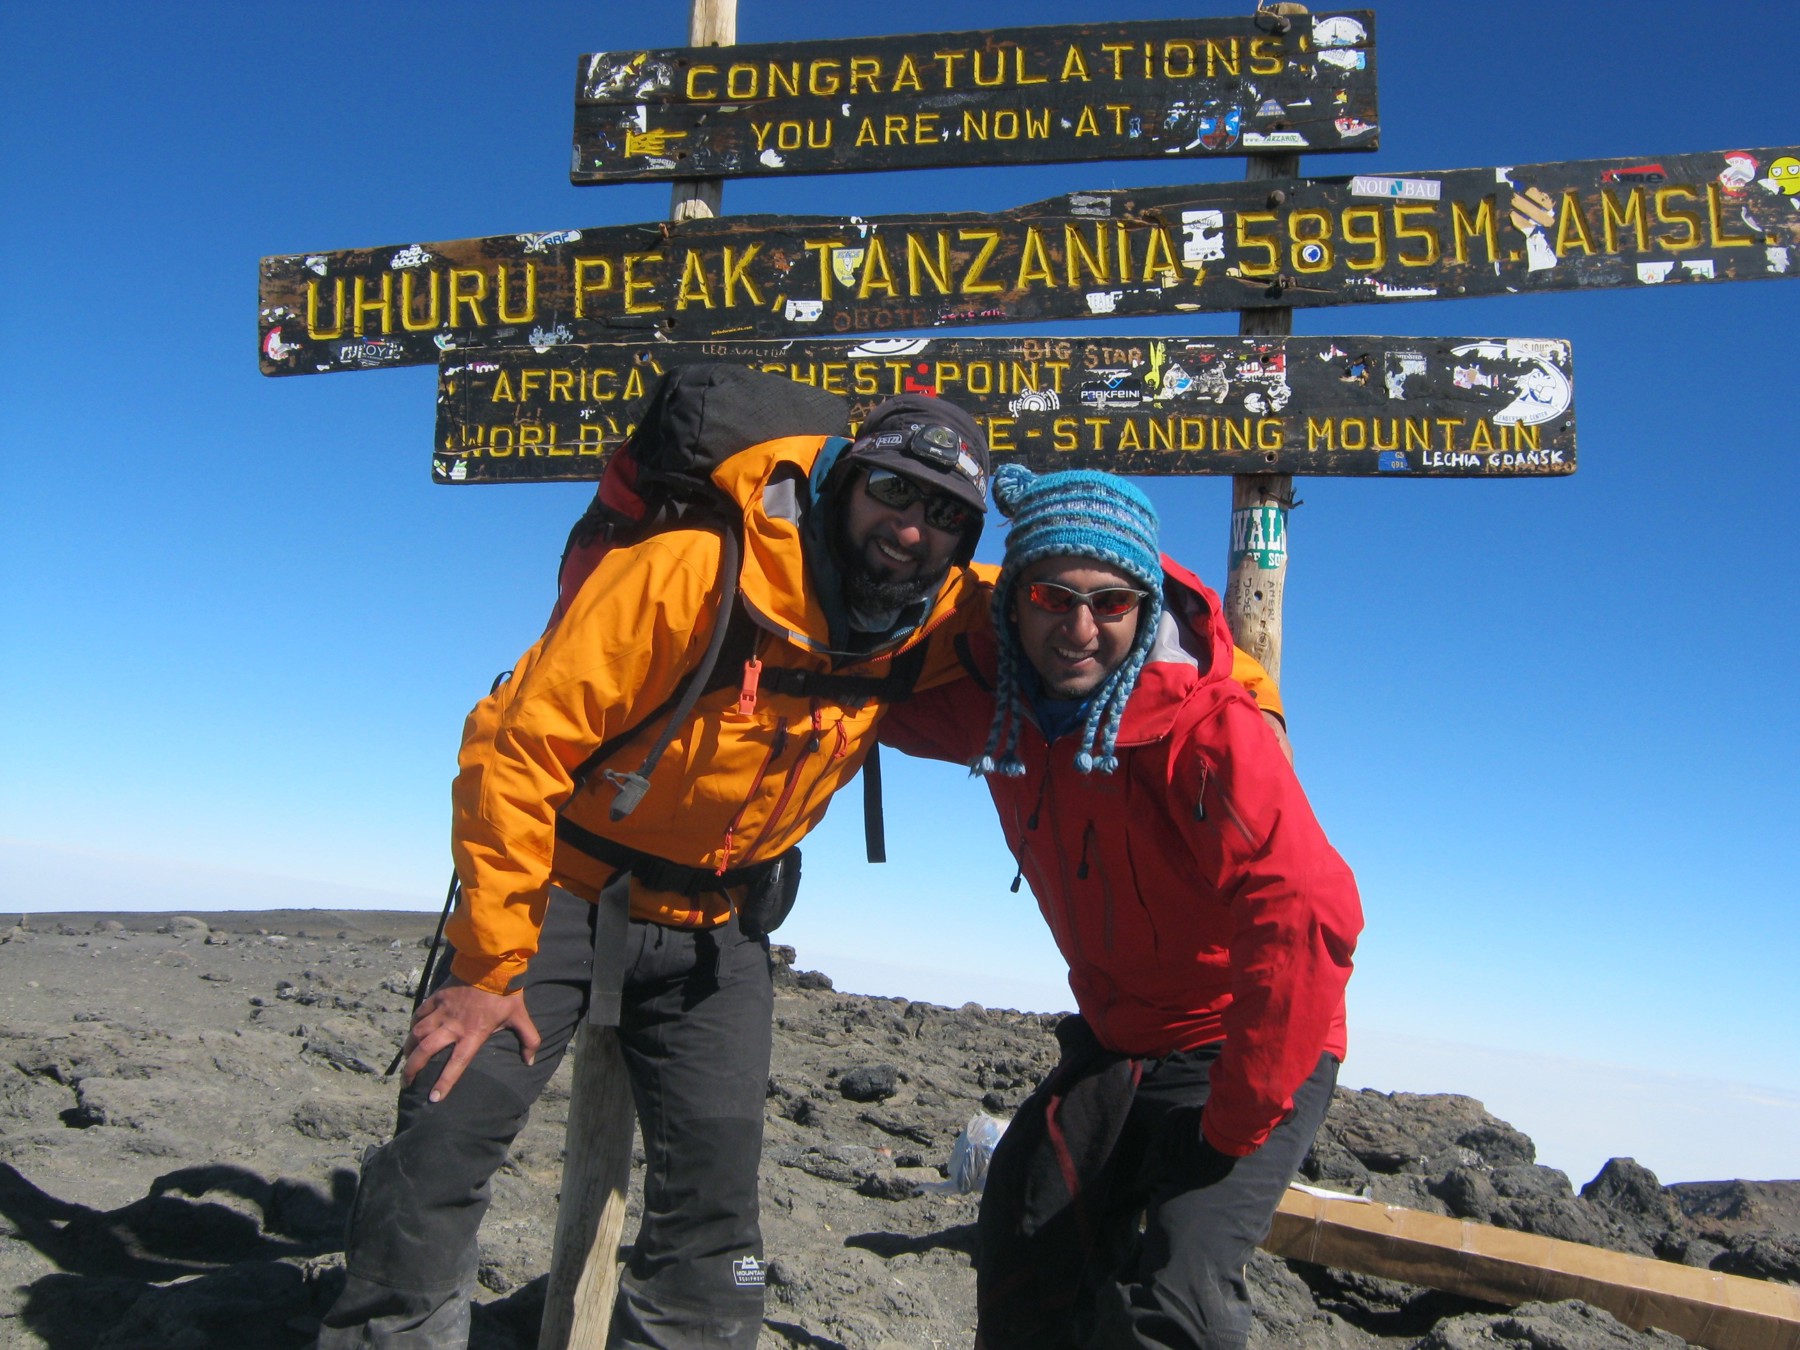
1190, 658
774, 484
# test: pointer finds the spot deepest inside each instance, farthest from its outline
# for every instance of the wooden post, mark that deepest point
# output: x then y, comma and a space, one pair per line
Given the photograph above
584, 1263
1256, 567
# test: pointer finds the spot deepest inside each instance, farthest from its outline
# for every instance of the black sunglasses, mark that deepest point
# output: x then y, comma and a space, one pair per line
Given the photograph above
1110, 602
941, 512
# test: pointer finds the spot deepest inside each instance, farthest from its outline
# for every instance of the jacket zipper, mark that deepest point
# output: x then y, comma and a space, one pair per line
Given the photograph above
776, 745
810, 748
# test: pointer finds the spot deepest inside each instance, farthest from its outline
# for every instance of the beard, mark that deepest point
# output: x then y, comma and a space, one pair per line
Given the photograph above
868, 591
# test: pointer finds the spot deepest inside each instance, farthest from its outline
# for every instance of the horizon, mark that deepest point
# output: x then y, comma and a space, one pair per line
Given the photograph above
1550, 723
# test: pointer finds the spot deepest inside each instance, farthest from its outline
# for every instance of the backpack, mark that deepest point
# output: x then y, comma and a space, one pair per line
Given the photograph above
697, 416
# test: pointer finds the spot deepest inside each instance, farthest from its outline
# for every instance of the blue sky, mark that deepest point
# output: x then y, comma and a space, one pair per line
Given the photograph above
1551, 723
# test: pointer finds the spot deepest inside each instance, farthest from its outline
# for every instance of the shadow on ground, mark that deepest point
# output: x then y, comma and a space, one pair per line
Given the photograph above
212, 1256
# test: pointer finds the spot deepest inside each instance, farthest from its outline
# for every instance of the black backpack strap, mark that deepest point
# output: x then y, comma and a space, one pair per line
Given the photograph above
874, 827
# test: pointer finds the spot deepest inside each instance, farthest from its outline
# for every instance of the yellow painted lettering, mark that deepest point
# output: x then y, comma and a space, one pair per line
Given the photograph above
694, 288
503, 390
784, 81
694, 92
471, 298
948, 61
876, 274
1063, 435
383, 307
1266, 57
824, 248
1117, 51
865, 71
1310, 248
583, 287
736, 274
1019, 76
822, 77
972, 283
1463, 228
999, 75
917, 261
865, 134
1190, 59
1034, 260
1076, 255
500, 289
741, 82
1572, 227
1614, 214
1074, 68
1374, 237
1085, 124
1223, 55
1427, 234
1716, 222
408, 302
1482, 438
1690, 235
1320, 432
1247, 241
634, 284
906, 75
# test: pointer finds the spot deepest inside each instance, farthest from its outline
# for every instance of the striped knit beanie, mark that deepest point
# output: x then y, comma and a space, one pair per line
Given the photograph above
1080, 514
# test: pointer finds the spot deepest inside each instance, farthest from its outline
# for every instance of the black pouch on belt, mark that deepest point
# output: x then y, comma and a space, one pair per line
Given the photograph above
769, 897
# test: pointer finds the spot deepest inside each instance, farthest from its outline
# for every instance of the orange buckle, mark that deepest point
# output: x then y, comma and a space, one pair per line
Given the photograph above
747, 690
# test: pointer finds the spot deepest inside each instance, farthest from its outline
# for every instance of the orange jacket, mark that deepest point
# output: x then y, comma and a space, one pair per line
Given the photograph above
733, 788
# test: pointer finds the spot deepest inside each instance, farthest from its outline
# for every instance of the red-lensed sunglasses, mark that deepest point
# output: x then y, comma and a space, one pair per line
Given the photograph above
1110, 602
941, 512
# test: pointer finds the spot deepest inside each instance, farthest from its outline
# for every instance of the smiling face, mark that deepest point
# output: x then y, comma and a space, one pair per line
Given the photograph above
1073, 652
892, 556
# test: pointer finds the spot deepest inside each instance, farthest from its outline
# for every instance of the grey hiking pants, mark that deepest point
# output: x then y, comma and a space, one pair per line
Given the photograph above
694, 1028
1084, 1277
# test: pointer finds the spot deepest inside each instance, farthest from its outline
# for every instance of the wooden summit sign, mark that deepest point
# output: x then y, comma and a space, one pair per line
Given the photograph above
1437, 407
1021, 95
1583, 224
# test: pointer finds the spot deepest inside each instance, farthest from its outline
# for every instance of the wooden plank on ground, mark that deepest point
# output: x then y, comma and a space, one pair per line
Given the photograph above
1674, 220
1142, 90
1432, 407
1705, 1307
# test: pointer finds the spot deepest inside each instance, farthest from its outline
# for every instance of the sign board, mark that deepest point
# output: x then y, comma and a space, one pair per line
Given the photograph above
1434, 407
1675, 220
1020, 95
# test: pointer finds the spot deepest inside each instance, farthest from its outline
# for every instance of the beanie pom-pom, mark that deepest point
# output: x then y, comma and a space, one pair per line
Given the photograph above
1011, 482
1012, 767
1106, 763
1084, 762
984, 765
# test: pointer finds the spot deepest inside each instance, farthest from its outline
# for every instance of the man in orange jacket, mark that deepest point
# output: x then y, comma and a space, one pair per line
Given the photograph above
854, 560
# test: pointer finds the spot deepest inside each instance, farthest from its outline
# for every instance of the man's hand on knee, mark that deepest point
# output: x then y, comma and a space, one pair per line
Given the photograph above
462, 1017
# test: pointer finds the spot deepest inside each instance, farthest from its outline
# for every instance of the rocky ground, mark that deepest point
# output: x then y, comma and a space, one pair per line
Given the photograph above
183, 1104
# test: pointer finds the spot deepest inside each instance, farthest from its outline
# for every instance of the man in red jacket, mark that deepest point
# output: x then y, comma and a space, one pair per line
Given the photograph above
1207, 923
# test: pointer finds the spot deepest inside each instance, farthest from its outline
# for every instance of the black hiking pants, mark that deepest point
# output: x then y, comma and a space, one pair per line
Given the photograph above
1061, 1263
694, 1028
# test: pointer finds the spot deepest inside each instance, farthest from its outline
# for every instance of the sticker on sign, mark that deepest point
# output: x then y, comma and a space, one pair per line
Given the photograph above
1408, 189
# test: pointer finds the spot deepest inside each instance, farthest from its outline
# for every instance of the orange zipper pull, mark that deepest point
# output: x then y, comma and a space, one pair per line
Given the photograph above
747, 690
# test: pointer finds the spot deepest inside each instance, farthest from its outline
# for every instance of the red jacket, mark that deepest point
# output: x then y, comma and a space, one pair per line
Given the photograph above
1191, 891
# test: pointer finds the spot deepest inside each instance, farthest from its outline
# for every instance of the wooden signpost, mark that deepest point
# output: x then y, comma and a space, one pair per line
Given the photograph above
1437, 407
1190, 87
1694, 219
